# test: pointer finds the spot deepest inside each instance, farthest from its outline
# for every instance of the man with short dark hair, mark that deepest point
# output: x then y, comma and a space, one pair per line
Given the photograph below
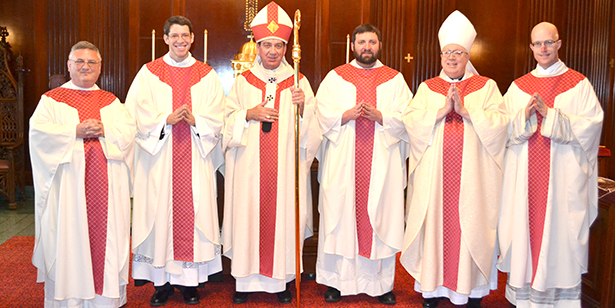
178, 104
550, 192
81, 148
259, 140
362, 169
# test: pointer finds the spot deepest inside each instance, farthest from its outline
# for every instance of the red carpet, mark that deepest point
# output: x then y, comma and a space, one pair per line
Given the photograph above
19, 288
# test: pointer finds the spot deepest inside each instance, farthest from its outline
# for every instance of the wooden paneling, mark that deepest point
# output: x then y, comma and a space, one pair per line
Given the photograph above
344, 17
427, 54
493, 51
608, 131
596, 66
530, 14
599, 283
103, 23
389, 17
61, 35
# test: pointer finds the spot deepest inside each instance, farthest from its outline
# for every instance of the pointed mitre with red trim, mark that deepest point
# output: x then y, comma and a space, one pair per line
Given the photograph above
272, 23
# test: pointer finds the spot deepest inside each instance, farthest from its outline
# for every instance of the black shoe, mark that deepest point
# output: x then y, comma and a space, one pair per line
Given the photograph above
430, 302
387, 298
284, 297
333, 295
191, 296
240, 297
161, 296
474, 303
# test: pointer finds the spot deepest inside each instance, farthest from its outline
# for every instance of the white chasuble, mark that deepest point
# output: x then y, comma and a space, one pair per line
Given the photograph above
549, 197
82, 197
259, 210
361, 176
175, 217
455, 174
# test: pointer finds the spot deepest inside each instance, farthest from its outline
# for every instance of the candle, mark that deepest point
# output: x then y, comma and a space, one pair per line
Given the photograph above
153, 44
205, 47
347, 47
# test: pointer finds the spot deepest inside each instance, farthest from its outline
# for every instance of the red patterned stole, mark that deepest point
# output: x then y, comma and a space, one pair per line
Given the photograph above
366, 81
88, 105
452, 161
268, 153
181, 80
539, 153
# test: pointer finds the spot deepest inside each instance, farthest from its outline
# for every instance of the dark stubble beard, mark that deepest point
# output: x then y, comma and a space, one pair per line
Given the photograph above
369, 60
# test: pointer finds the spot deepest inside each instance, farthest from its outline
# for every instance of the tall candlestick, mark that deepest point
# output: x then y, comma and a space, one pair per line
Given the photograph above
205, 47
153, 44
347, 47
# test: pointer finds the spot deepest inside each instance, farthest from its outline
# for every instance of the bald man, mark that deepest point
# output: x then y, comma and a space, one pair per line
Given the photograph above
549, 192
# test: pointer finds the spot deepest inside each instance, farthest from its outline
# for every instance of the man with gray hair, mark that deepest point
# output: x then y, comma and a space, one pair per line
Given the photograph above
81, 148
456, 127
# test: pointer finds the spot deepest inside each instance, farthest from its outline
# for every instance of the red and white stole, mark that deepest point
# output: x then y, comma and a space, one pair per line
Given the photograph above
88, 105
452, 161
366, 81
539, 153
268, 153
181, 80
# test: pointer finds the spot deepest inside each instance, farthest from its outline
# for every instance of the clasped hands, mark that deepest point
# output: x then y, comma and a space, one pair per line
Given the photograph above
264, 114
182, 113
453, 102
536, 103
90, 128
364, 110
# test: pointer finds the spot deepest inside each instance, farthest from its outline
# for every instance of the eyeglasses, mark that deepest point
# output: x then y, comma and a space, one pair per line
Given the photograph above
456, 53
80, 63
175, 36
547, 44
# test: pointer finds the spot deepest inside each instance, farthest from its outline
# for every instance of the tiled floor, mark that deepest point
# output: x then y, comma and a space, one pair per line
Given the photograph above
16, 222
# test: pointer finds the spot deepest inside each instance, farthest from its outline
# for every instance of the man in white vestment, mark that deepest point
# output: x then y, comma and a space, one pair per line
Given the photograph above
550, 187
178, 104
81, 148
259, 143
456, 126
362, 170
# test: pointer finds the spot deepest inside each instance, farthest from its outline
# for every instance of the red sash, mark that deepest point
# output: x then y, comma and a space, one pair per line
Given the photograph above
88, 105
452, 162
366, 81
181, 80
268, 153
539, 154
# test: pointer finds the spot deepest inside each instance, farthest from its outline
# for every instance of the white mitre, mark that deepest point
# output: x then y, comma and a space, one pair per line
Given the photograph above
457, 29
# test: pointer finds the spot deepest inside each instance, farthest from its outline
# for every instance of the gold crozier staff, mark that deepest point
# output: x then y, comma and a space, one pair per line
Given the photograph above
296, 58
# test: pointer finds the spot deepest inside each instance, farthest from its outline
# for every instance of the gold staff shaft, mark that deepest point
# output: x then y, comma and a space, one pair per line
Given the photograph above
296, 58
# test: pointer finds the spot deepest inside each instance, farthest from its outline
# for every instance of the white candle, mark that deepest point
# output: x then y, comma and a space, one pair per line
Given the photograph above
347, 47
205, 47
153, 44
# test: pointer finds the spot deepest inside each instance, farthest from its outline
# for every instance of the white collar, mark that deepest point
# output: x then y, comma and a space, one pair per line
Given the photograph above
466, 75
189, 61
556, 69
70, 85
